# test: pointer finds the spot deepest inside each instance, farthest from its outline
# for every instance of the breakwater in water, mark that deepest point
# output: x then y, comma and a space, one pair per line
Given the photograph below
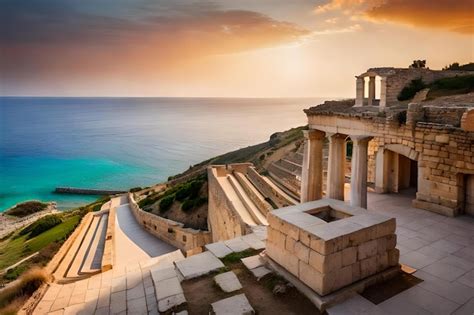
85, 191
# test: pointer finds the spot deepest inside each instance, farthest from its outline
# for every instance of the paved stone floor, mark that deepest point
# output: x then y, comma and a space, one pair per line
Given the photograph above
442, 251
136, 244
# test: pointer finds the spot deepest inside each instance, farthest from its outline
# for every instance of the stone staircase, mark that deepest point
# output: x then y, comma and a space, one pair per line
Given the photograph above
84, 257
286, 172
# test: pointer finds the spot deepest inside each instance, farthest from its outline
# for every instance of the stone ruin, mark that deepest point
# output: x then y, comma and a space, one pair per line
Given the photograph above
328, 245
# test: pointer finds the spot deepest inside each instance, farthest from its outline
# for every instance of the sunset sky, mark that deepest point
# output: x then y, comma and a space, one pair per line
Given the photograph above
241, 48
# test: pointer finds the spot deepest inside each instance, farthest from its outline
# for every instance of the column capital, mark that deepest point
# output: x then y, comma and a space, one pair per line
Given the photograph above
360, 139
314, 134
336, 136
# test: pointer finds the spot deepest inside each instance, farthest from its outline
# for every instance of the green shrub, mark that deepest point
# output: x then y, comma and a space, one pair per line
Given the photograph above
166, 203
183, 192
455, 83
409, 91
135, 189
187, 205
41, 225
26, 208
195, 188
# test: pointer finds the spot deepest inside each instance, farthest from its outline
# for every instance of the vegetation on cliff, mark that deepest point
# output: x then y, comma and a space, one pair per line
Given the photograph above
26, 208
442, 87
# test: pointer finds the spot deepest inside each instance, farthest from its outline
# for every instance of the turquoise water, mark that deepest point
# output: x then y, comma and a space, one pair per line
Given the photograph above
118, 143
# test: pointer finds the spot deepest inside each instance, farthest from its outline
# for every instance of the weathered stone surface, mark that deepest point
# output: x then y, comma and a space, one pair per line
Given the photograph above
228, 281
219, 249
235, 305
252, 261
198, 265
260, 272
237, 244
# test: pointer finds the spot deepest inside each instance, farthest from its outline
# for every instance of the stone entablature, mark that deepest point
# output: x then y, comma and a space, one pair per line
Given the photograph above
328, 244
188, 240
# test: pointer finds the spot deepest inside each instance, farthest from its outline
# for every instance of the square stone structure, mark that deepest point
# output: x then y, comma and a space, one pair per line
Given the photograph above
328, 244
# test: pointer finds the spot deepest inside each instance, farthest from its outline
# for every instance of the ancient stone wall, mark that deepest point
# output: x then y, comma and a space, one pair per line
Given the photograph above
401, 77
223, 219
188, 240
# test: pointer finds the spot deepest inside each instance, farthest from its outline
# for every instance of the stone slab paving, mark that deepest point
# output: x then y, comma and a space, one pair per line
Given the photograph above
234, 305
355, 306
237, 244
260, 272
219, 249
198, 265
228, 281
254, 241
253, 261
440, 248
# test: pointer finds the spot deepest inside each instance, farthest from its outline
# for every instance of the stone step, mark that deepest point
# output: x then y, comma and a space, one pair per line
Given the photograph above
235, 200
288, 187
247, 202
75, 267
68, 259
93, 259
253, 193
280, 192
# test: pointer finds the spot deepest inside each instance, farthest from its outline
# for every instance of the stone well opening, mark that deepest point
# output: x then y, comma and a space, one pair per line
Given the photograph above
328, 214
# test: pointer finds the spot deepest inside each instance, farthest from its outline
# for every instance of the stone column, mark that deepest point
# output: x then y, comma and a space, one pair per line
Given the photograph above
360, 89
359, 171
371, 90
312, 170
383, 94
336, 167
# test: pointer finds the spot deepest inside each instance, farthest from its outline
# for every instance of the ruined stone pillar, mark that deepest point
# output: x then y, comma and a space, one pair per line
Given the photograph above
312, 170
371, 91
336, 167
383, 94
360, 87
359, 171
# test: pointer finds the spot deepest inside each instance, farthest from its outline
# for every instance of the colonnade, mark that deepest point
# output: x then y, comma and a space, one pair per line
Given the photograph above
312, 173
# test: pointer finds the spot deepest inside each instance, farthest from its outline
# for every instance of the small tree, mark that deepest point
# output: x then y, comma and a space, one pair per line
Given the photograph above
417, 64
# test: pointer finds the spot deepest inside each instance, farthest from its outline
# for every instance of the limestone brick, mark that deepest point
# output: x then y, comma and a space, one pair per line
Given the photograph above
367, 249
368, 266
325, 263
349, 256
302, 252
290, 244
393, 257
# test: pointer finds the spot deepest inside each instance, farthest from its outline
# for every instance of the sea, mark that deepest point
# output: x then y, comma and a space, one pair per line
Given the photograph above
119, 143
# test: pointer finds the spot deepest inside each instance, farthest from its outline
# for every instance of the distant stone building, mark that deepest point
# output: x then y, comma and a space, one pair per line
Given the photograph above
425, 145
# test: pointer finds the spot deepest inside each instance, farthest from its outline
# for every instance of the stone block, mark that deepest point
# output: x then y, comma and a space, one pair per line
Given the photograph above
234, 305
290, 262
368, 267
393, 257
367, 249
381, 245
301, 251
276, 237
355, 272
382, 262
386, 228
228, 281
349, 256
290, 244
391, 241
343, 277
325, 263
311, 277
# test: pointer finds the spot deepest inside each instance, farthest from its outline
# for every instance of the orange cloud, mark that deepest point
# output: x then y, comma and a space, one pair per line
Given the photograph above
455, 16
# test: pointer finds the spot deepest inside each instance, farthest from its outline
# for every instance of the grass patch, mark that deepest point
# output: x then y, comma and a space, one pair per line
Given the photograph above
19, 246
41, 225
14, 296
234, 258
26, 208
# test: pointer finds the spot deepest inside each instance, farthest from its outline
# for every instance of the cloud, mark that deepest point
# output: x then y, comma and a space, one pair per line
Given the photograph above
455, 16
